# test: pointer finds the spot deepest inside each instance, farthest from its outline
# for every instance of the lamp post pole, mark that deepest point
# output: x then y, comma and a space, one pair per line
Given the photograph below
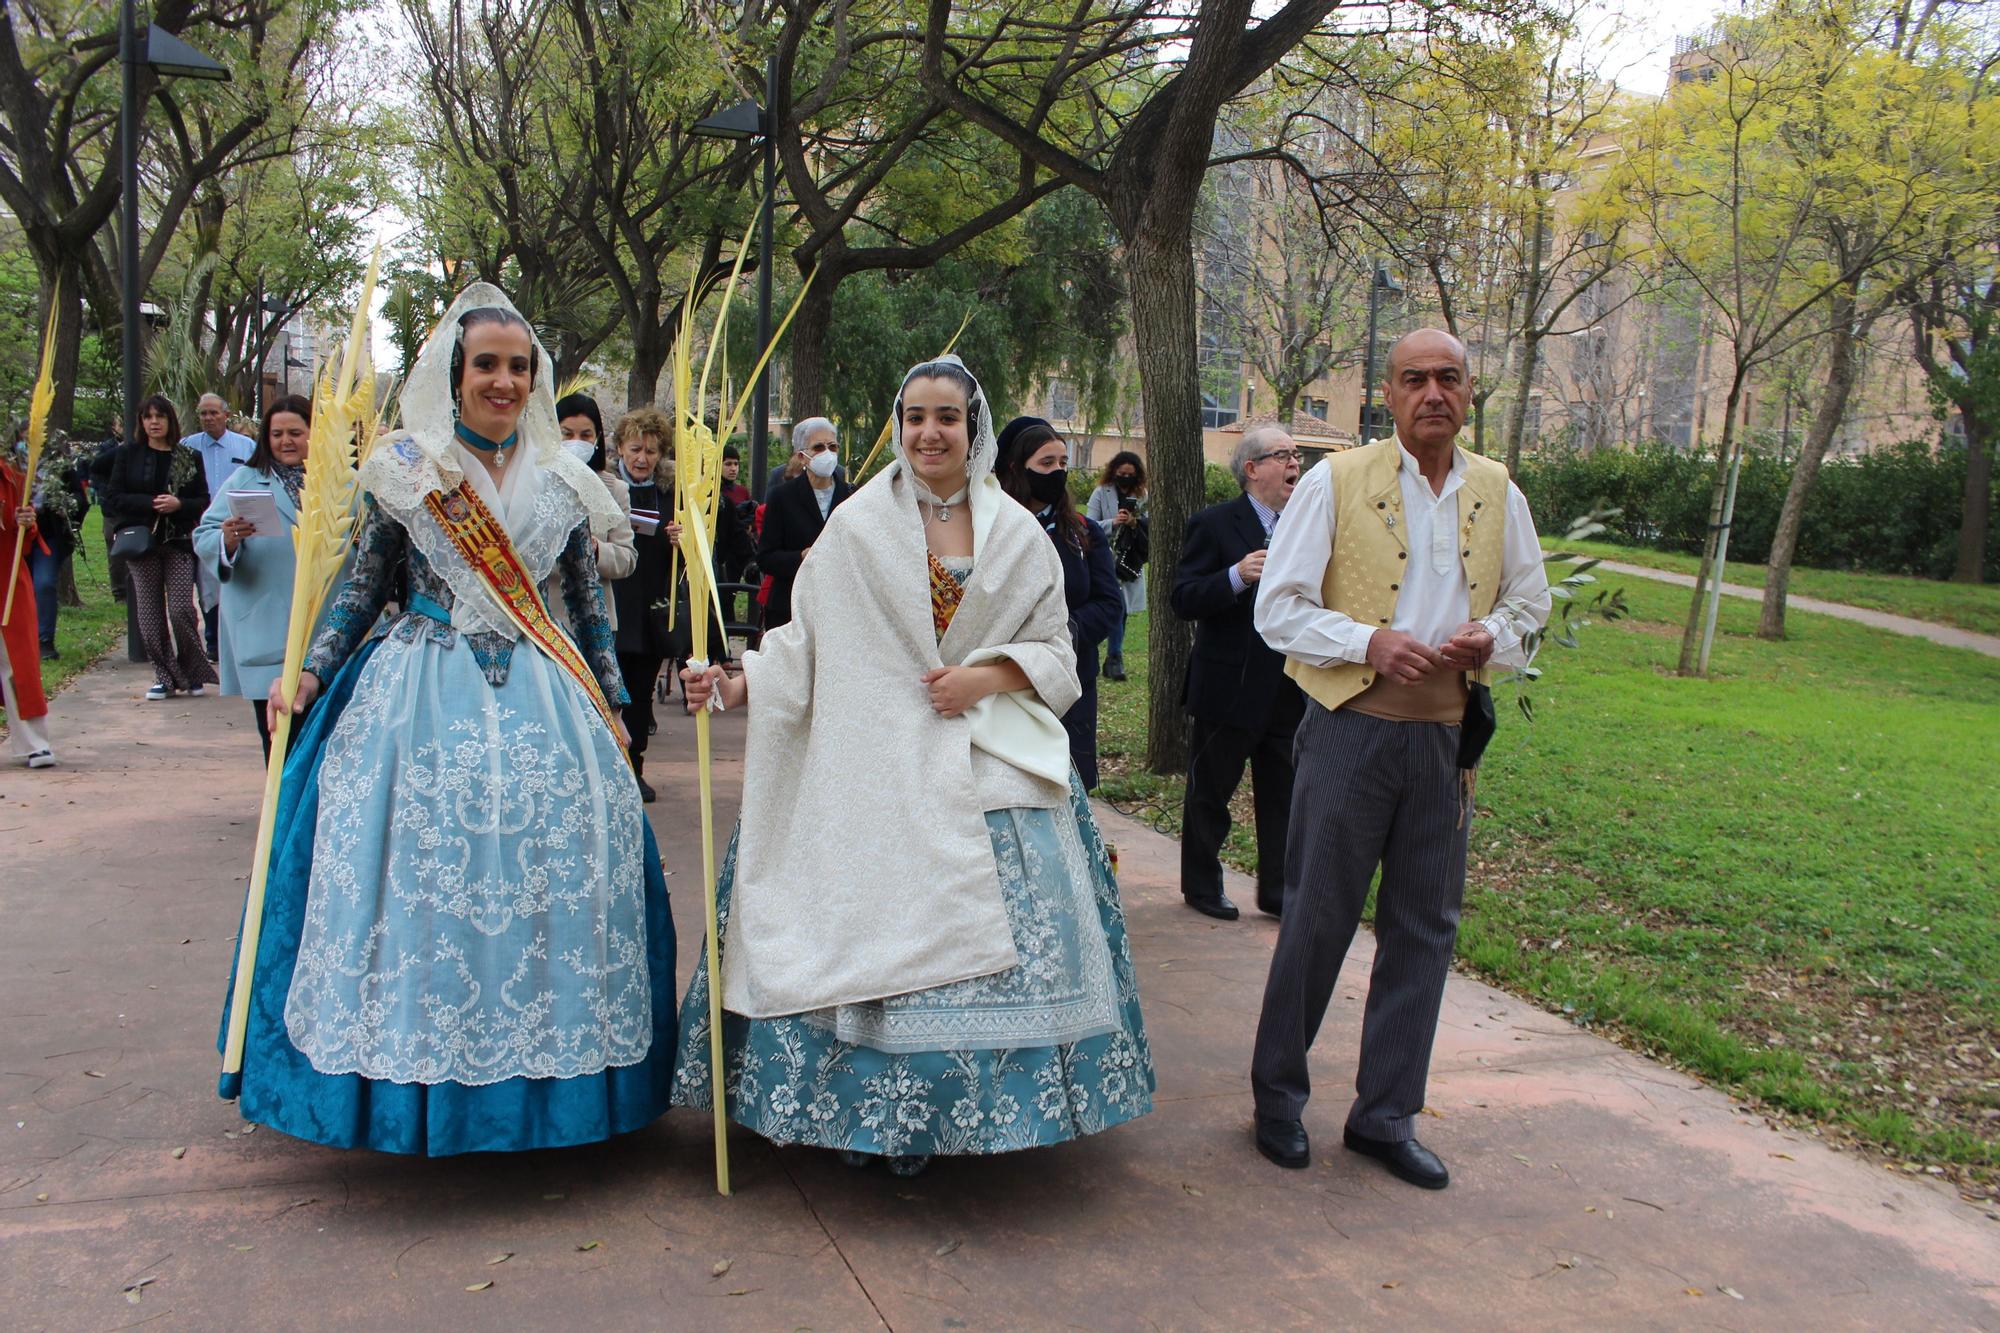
1375, 285
128, 210
760, 412
167, 55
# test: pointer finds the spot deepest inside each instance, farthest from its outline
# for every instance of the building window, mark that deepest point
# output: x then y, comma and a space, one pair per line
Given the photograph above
1316, 408
1062, 400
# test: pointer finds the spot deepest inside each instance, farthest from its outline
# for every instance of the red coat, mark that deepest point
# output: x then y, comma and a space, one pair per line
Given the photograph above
24, 649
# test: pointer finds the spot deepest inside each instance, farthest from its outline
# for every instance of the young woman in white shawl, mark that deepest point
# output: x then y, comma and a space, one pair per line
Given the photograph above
466, 945
923, 951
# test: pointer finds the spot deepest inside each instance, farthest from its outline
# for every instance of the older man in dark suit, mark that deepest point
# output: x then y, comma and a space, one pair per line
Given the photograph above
1244, 707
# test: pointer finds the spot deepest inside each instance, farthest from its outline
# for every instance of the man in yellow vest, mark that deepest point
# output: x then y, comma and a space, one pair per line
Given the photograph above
1400, 567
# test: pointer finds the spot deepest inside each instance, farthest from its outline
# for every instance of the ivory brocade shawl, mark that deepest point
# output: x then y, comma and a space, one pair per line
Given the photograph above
864, 864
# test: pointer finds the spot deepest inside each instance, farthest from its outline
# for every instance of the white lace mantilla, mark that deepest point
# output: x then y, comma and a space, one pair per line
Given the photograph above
402, 473
476, 910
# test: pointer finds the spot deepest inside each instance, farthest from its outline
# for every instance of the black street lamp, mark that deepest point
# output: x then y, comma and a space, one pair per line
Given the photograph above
1383, 281
747, 120
171, 57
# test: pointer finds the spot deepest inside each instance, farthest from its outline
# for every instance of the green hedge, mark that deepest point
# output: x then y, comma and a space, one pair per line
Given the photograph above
1894, 511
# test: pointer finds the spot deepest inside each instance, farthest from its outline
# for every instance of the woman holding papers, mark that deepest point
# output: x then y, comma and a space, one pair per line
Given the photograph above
245, 541
944, 968
466, 945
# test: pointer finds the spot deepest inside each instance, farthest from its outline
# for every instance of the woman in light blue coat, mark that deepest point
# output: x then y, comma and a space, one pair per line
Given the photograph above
255, 571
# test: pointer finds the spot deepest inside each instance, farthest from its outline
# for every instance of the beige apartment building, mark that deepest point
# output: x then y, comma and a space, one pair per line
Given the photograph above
1629, 369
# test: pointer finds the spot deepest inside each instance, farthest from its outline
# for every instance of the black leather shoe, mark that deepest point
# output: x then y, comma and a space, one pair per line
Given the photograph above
1115, 669
1284, 1142
1406, 1159
1271, 903
1218, 907
646, 794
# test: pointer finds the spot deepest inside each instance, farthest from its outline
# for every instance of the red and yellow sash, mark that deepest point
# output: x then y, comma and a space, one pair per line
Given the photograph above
487, 548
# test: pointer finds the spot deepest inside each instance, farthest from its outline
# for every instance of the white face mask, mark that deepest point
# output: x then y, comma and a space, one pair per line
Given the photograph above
580, 450
824, 465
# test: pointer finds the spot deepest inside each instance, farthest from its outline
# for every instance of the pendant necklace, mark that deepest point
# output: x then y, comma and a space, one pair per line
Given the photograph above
941, 508
472, 439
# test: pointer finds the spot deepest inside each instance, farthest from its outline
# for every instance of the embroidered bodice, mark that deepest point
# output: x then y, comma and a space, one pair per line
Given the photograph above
384, 548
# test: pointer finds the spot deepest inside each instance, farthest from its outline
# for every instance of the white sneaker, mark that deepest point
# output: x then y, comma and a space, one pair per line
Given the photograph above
197, 692
157, 693
42, 759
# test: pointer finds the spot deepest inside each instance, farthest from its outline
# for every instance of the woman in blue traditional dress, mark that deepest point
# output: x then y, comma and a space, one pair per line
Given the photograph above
466, 943
943, 969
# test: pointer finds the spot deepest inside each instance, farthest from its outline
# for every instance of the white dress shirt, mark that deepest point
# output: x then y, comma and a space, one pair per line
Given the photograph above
1434, 600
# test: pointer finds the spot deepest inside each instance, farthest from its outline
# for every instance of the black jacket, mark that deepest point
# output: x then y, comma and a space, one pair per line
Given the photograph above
791, 524
1234, 677
1090, 589
139, 472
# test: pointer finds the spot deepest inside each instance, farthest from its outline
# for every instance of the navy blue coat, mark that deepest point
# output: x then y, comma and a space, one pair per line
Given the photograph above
1090, 587
1234, 678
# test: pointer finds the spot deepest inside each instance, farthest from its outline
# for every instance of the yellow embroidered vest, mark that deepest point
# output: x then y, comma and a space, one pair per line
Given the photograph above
1364, 577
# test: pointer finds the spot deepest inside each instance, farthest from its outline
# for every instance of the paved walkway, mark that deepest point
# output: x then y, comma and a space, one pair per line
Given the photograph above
1949, 635
1591, 1187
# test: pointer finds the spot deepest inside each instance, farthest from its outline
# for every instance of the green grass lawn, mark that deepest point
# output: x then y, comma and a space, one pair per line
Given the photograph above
86, 633
1783, 878
1973, 606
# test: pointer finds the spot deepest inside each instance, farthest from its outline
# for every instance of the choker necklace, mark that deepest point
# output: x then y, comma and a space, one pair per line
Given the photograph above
943, 507
472, 439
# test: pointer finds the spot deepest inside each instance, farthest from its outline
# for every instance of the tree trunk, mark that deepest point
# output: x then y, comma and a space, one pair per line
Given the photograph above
1160, 274
808, 333
1691, 635
1517, 410
652, 343
1977, 512
1819, 435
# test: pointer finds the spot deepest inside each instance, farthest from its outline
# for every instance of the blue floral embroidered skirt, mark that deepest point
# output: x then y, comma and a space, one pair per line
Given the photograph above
446, 1103
800, 1079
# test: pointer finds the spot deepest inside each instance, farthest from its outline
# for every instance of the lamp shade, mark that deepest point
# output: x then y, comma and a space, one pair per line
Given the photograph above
175, 58
745, 120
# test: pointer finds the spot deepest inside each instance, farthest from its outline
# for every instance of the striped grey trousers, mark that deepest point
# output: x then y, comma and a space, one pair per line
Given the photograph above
1368, 793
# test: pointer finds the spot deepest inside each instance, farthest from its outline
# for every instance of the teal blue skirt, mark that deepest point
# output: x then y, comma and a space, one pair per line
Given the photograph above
278, 1086
792, 1080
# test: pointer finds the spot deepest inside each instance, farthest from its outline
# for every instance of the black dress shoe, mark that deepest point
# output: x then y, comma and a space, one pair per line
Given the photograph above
1271, 904
1284, 1142
646, 794
1218, 907
1114, 669
1406, 1159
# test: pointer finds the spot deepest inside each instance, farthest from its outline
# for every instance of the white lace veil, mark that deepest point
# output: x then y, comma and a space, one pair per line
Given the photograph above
427, 393
979, 420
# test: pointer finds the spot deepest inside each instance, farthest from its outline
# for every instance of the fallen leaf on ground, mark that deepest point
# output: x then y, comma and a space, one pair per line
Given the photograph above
92, 1073
948, 1247
1693, 1291
1784, 1157
42, 1198
500, 1258
243, 1249
480, 1286
721, 1266
132, 1292
1567, 1263
180, 1153
588, 1245
1192, 1190
1390, 1286
1731, 1292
